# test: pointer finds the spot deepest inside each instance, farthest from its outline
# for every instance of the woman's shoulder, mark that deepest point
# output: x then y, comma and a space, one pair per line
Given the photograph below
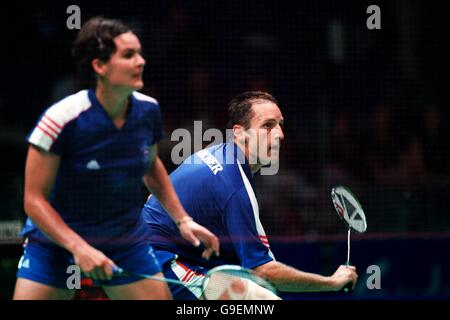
145, 100
143, 97
69, 107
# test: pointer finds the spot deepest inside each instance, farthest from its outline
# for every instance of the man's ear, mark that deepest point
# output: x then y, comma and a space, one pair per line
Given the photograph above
239, 133
99, 67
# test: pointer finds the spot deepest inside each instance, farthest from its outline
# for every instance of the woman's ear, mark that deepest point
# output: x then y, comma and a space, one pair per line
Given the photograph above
99, 67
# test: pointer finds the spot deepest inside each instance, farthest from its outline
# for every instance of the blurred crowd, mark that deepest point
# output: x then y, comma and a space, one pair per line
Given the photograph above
369, 113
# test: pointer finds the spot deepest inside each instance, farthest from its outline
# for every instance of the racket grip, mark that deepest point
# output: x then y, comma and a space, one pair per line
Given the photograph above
117, 271
347, 288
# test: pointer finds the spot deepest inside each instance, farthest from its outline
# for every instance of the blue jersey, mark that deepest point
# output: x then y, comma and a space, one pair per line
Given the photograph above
215, 187
98, 189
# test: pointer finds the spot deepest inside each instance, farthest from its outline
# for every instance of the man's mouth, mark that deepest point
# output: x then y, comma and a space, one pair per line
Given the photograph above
274, 148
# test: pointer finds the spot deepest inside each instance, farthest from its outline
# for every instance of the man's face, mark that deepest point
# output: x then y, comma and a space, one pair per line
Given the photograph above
264, 135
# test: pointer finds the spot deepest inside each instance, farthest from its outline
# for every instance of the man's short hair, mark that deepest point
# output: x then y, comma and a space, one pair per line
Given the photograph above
240, 107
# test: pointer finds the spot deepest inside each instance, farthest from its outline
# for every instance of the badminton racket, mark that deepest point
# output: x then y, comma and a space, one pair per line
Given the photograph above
351, 213
226, 282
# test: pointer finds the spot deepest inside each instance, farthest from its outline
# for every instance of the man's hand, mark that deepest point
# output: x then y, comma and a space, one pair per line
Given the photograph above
195, 233
342, 276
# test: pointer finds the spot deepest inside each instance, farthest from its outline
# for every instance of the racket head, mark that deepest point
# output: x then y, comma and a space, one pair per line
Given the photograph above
349, 208
233, 282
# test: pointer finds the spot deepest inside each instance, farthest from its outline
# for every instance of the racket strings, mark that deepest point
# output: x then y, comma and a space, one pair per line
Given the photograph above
223, 285
220, 283
237, 285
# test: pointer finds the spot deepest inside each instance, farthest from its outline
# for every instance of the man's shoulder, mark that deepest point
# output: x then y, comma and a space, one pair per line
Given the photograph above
209, 168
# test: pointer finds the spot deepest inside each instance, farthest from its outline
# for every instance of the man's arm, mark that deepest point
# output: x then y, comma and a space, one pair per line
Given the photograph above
289, 279
246, 233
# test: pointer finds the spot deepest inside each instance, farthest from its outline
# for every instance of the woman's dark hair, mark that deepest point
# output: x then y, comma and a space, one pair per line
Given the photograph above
240, 107
95, 40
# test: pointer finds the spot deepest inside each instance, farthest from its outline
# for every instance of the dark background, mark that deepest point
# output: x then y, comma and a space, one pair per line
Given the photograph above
362, 108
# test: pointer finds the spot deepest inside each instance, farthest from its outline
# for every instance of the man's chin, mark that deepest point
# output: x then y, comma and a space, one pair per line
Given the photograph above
270, 167
269, 161
274, 155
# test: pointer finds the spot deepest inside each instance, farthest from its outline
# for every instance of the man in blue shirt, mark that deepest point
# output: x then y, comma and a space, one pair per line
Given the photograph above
215, 186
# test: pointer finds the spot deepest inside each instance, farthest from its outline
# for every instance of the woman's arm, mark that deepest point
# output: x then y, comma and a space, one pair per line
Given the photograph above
157, 181
40, 173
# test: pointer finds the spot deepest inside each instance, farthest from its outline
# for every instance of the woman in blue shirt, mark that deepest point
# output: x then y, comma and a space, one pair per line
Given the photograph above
88, 156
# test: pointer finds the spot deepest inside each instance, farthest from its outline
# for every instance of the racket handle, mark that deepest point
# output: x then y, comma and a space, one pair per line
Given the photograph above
347, 288
117, 271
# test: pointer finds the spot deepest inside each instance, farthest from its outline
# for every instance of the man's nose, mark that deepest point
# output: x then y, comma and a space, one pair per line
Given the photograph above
279, 133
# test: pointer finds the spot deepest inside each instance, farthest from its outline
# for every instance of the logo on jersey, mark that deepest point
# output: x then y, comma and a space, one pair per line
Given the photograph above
151, 253
146, 152
93, 165
210, 160
24, 263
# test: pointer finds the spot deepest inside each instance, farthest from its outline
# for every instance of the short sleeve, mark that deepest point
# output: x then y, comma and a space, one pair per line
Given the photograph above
241, 224
158, 132
49, 135
151, 114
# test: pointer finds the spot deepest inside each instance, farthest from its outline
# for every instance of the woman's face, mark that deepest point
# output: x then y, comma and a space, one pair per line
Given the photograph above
126, 65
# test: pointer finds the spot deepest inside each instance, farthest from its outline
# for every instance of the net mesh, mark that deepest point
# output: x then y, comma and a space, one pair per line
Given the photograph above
354, 114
